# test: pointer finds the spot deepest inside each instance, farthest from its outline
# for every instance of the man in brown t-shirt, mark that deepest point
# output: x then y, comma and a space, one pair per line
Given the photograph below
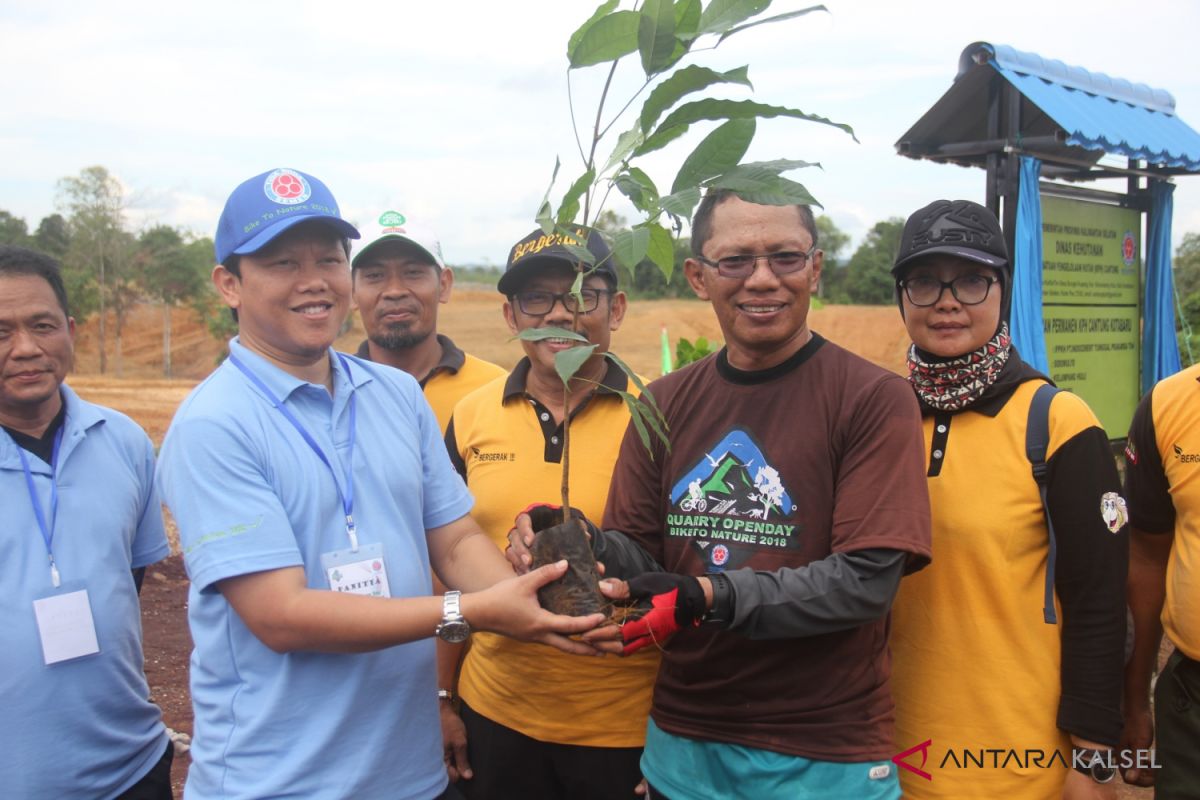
789, 505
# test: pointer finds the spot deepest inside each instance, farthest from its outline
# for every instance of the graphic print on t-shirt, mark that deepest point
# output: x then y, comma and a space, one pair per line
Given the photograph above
732, 503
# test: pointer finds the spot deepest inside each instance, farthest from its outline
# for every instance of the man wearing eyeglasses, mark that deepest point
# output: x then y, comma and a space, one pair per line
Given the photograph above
540, 725
771, 603
400, 279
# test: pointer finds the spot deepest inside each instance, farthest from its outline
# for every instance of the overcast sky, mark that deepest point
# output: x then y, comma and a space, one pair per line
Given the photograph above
453, 113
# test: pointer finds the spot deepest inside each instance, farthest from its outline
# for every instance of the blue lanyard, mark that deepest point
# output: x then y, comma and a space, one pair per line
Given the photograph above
347, 497
46, 526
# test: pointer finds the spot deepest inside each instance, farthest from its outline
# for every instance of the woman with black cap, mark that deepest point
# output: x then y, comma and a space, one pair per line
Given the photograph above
1007, 659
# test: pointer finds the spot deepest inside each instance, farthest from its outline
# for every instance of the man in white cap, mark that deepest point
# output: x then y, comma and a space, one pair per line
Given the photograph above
400, 279
315, 498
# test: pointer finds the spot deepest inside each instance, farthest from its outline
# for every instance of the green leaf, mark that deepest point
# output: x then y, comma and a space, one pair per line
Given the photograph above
577, 288
609, 38
767, 190
544, 218
719, 151
661, 249
580, 252
682, 83
570, 201
625, 144
777, 165
656, 35
633, 404
602, 11
776, 18
567, 362
679, 120
721, 15
637, 186
682, 203
687, 19
537, 334
629, 246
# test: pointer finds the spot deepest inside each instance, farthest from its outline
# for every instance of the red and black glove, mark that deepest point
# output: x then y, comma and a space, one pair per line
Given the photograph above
675, 601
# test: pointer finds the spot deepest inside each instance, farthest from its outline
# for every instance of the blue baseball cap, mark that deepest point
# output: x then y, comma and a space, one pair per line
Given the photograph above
265, 206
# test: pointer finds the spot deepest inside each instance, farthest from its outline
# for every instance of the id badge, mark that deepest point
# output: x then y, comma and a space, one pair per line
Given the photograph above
65, 625
362, 572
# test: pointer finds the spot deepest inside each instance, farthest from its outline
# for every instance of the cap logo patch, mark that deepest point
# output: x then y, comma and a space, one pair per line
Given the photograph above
391, 219
538, 243
287, 187
951, 223
1113, 510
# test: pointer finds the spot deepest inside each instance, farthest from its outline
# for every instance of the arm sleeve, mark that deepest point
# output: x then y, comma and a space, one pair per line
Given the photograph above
445, 493
1146, 487
456, 458
838, 592
1090, 582
622, 557
881, 497
150, 541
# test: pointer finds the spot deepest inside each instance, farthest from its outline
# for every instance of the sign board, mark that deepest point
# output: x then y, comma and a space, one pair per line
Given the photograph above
1091, 265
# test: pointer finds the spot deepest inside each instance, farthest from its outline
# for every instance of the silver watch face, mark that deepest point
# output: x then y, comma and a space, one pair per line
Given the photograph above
454, 631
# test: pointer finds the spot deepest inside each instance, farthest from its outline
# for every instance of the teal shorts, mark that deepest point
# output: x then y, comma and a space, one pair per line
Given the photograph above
690, 769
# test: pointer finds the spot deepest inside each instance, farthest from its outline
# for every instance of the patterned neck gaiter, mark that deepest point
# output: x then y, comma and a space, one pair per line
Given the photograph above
955, 384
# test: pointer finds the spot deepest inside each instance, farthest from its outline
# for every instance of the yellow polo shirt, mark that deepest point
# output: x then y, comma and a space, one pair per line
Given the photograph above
510, 450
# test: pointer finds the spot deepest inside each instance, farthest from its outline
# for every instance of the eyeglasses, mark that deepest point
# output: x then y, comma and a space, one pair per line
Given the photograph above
970, 290
742, 266
537, 304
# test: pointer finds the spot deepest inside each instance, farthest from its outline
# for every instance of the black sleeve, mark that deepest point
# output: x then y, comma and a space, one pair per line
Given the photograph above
452, 449
1146, 488
1089, 578
838, 592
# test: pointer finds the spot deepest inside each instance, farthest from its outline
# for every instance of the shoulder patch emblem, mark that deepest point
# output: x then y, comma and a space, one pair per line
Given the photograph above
1113, 511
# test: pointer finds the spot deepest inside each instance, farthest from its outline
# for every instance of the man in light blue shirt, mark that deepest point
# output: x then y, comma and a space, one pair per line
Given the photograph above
79, 513
314, 495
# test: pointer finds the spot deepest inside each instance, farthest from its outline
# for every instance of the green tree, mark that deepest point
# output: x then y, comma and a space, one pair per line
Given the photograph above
832, 240
52, 236
171, 271
1186, 266
94, 204
868, 278
13, 230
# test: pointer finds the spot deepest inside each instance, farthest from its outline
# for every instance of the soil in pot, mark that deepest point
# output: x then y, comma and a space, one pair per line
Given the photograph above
576, 593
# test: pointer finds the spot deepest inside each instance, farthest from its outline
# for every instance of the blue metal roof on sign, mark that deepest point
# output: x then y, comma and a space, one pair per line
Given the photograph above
1098, 112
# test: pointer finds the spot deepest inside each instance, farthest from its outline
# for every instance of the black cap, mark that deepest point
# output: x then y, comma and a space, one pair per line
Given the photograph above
953, 227
539, 250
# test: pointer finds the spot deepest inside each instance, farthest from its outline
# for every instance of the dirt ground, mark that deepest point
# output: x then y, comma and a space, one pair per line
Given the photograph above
473, 319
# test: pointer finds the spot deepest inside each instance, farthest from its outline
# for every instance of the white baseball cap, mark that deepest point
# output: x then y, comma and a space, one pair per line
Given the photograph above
392, 225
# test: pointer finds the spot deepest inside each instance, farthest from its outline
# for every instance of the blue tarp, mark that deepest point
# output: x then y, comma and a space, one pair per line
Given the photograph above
1102, 113
1160, 348
1027, 330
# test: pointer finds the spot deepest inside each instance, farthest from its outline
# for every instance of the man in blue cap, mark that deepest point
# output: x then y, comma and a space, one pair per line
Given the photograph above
314, 495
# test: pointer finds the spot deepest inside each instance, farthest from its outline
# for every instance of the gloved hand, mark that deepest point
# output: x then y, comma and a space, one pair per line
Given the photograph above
547, 515
675, 601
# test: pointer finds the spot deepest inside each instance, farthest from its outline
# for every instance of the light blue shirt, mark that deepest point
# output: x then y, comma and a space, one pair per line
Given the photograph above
83, 728
250, 495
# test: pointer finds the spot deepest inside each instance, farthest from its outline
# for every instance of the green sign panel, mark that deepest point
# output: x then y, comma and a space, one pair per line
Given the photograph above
1091, 263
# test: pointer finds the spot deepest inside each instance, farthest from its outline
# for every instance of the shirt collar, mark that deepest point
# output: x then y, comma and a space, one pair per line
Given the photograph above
81, 417
615, 380
282, 383
452, 359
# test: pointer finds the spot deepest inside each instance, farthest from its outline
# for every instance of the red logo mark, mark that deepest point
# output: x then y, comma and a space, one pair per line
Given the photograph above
899, 761
287, 186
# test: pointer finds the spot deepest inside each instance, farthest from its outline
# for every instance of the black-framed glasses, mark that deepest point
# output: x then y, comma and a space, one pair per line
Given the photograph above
742, 266
536, 303
970, 290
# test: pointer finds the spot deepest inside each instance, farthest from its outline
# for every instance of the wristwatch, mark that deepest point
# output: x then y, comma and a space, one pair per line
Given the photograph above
1096, 764
453, 628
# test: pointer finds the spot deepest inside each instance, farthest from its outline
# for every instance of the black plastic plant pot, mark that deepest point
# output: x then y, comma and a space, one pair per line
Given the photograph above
576, 593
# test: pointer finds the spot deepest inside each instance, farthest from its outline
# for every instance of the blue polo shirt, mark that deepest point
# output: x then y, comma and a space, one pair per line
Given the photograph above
83, 728
250, 495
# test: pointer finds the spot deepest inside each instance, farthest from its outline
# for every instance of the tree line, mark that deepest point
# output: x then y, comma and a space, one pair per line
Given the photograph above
108, 268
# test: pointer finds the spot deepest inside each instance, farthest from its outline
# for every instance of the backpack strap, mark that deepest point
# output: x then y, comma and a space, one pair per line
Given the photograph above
1037, 442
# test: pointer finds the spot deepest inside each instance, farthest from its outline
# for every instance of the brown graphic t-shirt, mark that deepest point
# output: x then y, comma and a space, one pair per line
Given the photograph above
773, 470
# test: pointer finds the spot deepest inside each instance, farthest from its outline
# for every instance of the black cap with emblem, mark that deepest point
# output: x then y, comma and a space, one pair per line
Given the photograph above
956, 228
